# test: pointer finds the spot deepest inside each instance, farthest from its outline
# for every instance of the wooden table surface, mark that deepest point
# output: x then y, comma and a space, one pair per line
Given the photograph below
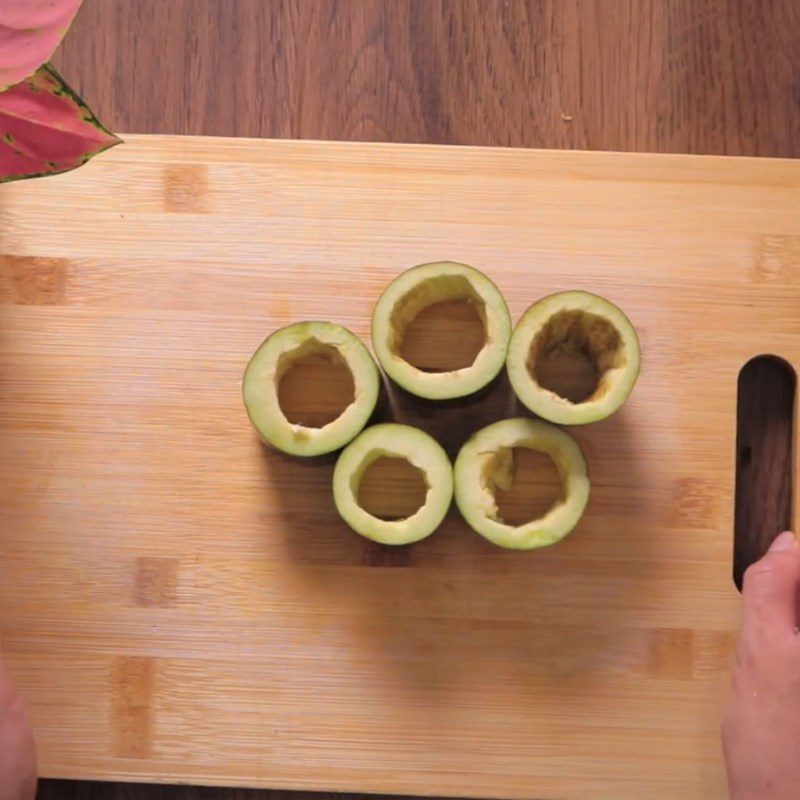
682, 76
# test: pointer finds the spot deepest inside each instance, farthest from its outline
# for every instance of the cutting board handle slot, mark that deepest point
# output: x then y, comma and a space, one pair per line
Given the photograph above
765, 446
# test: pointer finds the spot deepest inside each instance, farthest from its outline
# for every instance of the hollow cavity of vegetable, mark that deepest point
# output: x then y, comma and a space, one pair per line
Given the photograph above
394, 441
427, 285
574, 324
285, 348
486, 463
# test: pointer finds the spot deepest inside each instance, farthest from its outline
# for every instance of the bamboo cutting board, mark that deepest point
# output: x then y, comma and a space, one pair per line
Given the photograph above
179, 605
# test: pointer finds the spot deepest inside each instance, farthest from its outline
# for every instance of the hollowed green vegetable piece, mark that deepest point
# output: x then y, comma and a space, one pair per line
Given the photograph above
281, 351
427, 285
394, 441
486, 463
574, 324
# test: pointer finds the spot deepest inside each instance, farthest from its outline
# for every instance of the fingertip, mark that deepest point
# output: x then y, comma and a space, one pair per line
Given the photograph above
785, 541
770, 587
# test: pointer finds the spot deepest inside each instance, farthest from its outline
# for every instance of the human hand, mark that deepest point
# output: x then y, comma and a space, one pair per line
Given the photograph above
17, 748
761, 728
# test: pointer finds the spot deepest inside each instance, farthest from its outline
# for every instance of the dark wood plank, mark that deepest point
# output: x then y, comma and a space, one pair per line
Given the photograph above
98, 790
693, 76
764, 453
700, 76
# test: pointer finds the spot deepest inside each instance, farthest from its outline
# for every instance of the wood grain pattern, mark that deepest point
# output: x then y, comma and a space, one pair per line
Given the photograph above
99, 790
132, 701
288, 655
693, 76
765, 456
683, 76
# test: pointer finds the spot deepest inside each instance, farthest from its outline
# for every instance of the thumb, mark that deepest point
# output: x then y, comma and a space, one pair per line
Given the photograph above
769, 593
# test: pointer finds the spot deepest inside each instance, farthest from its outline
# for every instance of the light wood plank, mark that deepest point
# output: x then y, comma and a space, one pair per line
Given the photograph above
180, 605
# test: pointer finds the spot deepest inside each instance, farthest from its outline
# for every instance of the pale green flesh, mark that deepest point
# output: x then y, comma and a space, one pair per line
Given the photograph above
394, 441
274, 357
583, 321
485, 463
426, 285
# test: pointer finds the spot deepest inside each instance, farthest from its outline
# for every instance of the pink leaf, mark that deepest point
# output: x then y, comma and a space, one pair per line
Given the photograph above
45, 128
30, 31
